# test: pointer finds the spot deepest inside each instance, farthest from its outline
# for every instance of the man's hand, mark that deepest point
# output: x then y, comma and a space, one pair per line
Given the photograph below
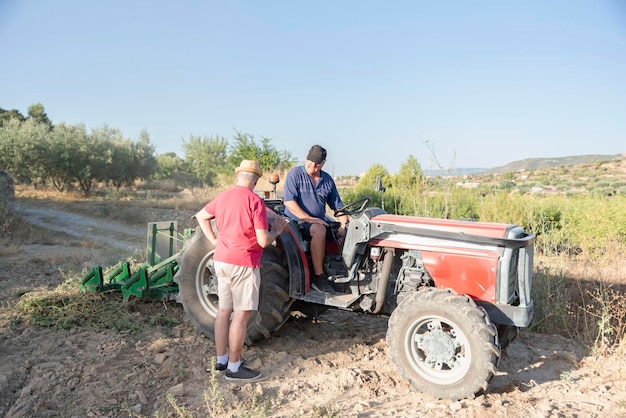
312, 220
278, 225
265, 237
204, 220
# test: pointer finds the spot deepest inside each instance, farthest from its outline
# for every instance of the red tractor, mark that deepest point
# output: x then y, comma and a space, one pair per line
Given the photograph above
456, 292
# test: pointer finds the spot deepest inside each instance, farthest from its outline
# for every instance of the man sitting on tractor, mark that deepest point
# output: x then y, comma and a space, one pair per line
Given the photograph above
308, 190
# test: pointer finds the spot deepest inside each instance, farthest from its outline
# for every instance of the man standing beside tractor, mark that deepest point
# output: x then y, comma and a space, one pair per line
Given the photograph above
307, 191
242, 224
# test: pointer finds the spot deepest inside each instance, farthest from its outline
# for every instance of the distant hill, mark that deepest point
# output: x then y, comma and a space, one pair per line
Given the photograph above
602, 175
535, 163
527, 164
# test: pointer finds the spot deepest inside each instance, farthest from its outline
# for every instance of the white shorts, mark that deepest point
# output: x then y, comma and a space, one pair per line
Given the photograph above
237, 286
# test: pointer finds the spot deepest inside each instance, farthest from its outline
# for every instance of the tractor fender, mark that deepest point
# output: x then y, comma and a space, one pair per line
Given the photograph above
291, 242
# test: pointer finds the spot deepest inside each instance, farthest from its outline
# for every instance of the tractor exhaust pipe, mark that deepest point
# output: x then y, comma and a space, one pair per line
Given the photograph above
381, 292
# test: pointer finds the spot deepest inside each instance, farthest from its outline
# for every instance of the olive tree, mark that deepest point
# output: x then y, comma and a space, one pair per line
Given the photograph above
71, 157
22, 148
144, 159
117, 162
13, 114
265, 153
205, 157
37, 113
167, 165
9, 150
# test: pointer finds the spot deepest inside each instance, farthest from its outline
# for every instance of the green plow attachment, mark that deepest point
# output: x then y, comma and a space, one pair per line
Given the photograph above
153, 278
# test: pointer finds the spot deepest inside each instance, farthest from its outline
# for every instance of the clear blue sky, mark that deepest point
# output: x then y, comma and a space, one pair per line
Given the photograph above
483, 82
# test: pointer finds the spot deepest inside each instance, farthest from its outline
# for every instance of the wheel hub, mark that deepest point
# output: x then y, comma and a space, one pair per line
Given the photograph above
438, 346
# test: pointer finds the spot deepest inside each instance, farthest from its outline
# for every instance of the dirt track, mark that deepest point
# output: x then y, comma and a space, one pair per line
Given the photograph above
337, 366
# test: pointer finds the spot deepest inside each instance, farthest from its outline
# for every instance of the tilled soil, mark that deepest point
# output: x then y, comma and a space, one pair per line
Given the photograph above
335, 366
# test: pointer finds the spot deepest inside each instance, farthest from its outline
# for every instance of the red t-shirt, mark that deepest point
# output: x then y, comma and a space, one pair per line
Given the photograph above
238, 212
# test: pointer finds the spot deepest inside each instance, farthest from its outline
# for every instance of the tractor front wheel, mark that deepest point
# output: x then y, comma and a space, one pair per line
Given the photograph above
443, 343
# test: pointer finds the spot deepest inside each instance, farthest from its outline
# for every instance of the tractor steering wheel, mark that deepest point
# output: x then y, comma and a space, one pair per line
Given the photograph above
359, 206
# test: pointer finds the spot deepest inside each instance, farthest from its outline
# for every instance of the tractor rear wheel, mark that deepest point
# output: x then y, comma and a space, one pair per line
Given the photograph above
443, 343
197, 289
197, 284
274, 301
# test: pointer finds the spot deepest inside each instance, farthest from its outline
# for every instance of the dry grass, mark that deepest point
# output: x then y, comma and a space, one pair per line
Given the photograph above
66, 308
583, 298
10, 249
14, 231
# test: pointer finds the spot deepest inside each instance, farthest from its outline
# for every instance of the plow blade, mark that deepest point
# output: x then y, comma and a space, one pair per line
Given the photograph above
146, 281
153, 278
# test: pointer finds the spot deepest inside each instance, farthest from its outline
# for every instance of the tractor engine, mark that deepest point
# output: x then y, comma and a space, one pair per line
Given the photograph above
412, 275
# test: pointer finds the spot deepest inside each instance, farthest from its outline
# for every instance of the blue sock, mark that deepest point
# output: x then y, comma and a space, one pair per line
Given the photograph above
222, 359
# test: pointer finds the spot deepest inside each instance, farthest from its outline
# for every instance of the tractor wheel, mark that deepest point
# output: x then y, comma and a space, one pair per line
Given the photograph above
274, 301
197, 289
443, 343
197, 284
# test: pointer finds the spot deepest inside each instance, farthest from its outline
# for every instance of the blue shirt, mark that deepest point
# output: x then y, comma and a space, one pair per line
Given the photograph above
312, 199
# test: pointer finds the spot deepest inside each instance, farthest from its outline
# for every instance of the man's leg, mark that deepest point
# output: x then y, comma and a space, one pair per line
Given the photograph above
246, 283
225, 309
236, 370
221, 331
237, 335
318, 244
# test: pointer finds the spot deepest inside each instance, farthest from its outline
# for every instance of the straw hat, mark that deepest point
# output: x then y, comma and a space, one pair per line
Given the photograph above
250, 166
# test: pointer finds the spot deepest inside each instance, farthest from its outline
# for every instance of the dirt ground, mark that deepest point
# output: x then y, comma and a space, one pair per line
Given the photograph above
334, 367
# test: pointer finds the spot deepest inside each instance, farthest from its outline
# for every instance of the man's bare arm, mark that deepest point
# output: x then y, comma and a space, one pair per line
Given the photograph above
265, 237
204, 220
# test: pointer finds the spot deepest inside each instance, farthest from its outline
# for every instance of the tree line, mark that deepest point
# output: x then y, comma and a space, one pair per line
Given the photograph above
36, 151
